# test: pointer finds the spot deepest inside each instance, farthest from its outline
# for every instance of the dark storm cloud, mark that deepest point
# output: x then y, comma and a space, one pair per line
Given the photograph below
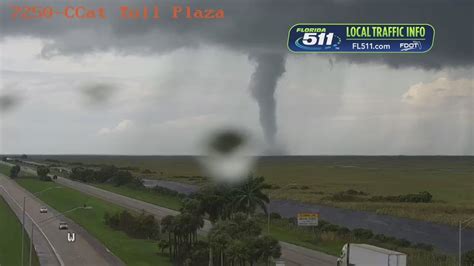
255, 26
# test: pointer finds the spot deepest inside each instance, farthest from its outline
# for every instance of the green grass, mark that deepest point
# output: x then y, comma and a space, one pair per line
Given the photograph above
280, 232
303, 238
167, 201
331, 243
131, 251
5, 169
10, 238
447, 178
328, 242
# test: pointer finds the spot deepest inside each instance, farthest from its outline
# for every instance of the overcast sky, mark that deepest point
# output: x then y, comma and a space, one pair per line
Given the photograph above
119, 87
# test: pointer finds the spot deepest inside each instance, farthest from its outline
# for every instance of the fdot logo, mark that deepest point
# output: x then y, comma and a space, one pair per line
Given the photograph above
408, 46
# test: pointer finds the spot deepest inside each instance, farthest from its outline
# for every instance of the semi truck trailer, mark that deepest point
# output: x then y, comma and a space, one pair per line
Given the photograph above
368, 255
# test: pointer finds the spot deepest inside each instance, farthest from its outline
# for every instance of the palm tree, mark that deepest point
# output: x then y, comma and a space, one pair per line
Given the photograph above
268, 247
215, 202
249, 195
163, 244
219, 237
168, 225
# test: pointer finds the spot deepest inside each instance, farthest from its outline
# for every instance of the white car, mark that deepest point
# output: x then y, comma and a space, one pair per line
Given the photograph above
43, 210
63, 226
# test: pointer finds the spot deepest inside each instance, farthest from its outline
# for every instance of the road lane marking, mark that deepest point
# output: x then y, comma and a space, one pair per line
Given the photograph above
37, 226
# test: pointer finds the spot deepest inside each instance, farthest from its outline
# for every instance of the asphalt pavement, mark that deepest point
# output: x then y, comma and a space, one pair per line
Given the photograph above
50, 243
291, 254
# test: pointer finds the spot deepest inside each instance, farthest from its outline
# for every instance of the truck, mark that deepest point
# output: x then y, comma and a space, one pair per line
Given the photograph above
367, 255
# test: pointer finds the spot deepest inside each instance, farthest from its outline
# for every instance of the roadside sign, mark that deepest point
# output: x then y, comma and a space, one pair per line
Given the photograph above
308, 219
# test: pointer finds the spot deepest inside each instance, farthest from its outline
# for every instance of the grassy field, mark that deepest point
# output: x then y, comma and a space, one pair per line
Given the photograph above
10, 238
4, 169
131, 251
313, 179
170, 202
302, 238
331, 243
279, 232
328, 242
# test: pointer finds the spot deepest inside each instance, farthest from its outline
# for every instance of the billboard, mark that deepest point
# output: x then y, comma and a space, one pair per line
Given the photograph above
308, 219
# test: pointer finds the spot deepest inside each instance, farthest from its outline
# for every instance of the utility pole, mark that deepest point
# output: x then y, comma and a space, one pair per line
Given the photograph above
23, 232
49, 219
460, 244
268, 222
23, 229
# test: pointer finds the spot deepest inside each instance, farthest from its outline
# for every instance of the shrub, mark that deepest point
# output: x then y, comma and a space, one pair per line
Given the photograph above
343, 231
322, 223
402, 243
107, 173
167, 191
293, 220
330, 227
468, 257
121, 178
274, 187
355, 192
275, 216
14, 171
143, 226
42, 171
129, 168
381, 238
147, 171
423, 246
342, 196
424, 197
362, 234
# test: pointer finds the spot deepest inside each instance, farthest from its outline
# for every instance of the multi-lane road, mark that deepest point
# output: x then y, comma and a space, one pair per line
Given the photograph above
50, 243
292, 255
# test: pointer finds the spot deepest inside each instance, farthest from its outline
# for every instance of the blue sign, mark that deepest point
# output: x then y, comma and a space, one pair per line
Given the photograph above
360, 38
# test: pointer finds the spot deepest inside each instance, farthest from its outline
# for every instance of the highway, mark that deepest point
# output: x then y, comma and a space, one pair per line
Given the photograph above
50, 243
293, 255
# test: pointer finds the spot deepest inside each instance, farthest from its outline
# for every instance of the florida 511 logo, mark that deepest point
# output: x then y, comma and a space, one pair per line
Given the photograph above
360, 38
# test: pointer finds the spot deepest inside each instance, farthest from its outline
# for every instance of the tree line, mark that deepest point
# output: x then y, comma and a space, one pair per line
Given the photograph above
109, 174
357, 196
143, 226
235, 237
